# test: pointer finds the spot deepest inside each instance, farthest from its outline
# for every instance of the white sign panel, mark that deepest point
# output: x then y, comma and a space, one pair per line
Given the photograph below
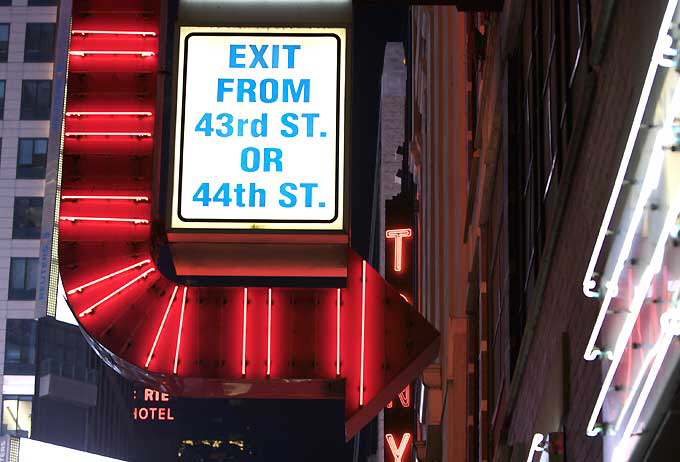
37, 451
260, 129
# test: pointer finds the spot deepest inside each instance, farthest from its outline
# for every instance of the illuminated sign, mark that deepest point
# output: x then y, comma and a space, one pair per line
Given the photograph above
151, 410
398, 451
259, 137
398, 235
37, 451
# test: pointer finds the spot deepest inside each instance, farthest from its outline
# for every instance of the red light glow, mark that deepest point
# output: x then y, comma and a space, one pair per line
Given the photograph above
398, 452
398, 235
245, 330
179, 331
110, 275
160, 328
116, 292
136, 221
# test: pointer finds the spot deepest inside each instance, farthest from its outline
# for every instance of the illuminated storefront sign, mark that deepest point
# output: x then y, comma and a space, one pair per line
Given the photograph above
259, 139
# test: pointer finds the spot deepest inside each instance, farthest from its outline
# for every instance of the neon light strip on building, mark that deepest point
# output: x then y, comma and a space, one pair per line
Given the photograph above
108, 198
160, 328
109, 113
79, 134
116, 292
363, 330
136, 221
269, 332
110, 275
84, 53
179, 330
337, 333
245, 331
113, 32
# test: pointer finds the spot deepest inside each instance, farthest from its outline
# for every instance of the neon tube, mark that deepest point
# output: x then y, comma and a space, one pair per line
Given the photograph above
337, 334
636, 304
110, 198
160, 328
136, 221
83, 53
588, 282
179, 330
636, 386
245, 321
398, 235
649, 184
115, 292
398, 452
269, 333
363, 330
536, 446
113, 32
405, 396
138, 134
110, 113
110, 275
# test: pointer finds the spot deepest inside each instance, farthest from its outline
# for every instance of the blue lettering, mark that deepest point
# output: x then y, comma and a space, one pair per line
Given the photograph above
234, 55
292, 200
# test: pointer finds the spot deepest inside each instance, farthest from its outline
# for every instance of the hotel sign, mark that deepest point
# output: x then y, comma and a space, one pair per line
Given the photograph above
259, 138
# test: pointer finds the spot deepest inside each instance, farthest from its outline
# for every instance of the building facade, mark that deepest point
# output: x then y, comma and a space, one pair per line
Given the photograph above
543, 141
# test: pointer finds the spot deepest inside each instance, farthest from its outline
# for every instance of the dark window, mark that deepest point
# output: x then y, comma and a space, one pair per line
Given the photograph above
4, 41
20, 346
5, 2
35, 99
23, 277
39, 43
42, 2
2, 99
27, 217
31, 157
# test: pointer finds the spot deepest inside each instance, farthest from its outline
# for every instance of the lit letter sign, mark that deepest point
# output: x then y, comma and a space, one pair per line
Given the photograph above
398, 235
259, 137
398, 452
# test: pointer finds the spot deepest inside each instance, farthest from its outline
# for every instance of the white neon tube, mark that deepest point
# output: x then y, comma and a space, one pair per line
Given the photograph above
179, 330
638, 299
111, 198
588, 282
109, 113
111, 52
137, 134
363, 330
136, 221
139, 264
116, 292
160, 328
113, 32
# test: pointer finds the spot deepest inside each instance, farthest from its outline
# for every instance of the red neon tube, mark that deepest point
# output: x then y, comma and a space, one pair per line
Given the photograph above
363, 330
269, 333
115, 273
245, 325
115, 292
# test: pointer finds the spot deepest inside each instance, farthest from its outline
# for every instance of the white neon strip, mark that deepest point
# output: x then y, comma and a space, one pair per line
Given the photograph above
116, 292
422, 403
649, 184
269, 333
636, 386
535, 446
138, 134
103, 278
113, 32
245, 319
160, 328
109, 113
337, 334
588, 283
363, 330
136, 221
662, 347
179, 330
636, 304
109, 198
111, 52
